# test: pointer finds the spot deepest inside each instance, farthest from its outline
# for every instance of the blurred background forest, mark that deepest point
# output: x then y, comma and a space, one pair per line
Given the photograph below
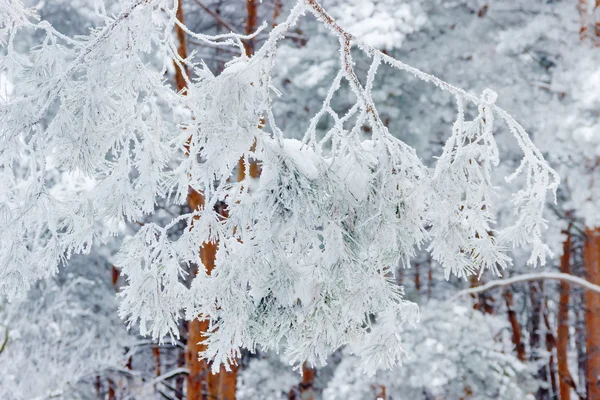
538, 339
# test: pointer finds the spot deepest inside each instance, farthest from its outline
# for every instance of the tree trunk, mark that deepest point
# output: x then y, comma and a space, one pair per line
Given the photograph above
381, 393
562, 342
536, 338
112, 395
417, 277
181, 50
429, 279
180, 379
307, 389
251, 25
592, 305
199, 371
485, 301
156, 355
516, 327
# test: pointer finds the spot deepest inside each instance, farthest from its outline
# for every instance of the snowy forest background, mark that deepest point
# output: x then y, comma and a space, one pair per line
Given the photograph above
77, 332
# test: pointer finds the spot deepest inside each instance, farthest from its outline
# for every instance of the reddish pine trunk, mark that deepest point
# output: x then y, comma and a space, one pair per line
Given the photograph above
562, 342
112, 395
592, 318
181, 50
381, 393
251, 25
580, 339
430, 279
307, 390
485, 302
98, 385
536, 294
550, 345
156, 355
199, 371
417, 277
304, 390
516, 327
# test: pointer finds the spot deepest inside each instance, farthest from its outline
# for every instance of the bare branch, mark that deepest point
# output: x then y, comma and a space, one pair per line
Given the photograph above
216, 16
558, 276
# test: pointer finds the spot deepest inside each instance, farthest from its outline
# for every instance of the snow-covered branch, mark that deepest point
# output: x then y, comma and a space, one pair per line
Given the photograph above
93, 138
559, 276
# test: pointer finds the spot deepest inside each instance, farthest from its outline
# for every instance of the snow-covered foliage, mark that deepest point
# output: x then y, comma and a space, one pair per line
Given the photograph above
306, 254
256, 380
383, 24
60, 336
454, 353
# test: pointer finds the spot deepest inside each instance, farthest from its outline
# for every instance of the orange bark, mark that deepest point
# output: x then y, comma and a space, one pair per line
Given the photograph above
417, 277
251, 25
156, 354
430, 279
485, 302
307, 390
181, 50
592, 306
381, 393
516, 327
198, 387
562, 340
112, 395
201, 383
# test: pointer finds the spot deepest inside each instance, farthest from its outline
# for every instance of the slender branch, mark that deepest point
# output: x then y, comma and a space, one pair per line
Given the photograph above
216, 16
4, 342
558, 276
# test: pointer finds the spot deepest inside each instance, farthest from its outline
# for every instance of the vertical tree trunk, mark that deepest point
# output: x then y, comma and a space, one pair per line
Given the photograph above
429, 279
400, 276
251, 25
112, 395
181, 50
485, 301
228, 383
98, 385
307, 389
199, 371
381, 393
592, 303
417, 277
550, 346
562, 342
180, 379
516, 327
535, 333
156, 355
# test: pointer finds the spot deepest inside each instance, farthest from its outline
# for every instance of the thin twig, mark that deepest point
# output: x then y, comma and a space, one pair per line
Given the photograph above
216, 16
4, 342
